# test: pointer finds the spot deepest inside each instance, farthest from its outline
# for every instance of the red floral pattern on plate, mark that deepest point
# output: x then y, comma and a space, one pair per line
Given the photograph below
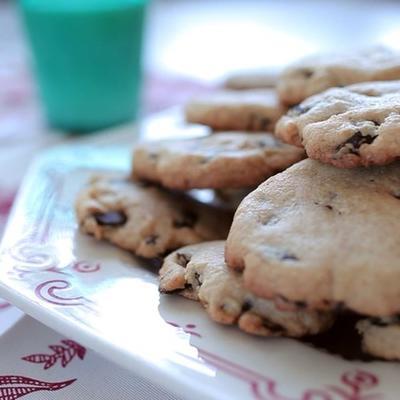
353, 384
13, 387
49, 291
65, 353
34, 258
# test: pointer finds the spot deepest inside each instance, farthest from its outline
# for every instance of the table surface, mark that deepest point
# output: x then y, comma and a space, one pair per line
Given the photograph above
190, 47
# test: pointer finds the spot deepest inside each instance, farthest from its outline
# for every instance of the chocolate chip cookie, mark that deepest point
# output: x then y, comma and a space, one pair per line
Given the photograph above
199, 272
247, 110
322, 236
381, 337
222, 160
145, 219
320, 72
256, 79
347, 127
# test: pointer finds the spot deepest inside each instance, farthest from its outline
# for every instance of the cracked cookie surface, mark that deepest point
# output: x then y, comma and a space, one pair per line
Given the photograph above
145, 219
247, 110
317, 73
323, 236
381, 337
199, 272
347, 127
222, 160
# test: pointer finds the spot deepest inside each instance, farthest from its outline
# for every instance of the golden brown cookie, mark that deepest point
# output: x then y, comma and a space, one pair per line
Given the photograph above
222, 160
322, 236
347, 127
199, 272
252, 79
145, 219
317, 73
226, 110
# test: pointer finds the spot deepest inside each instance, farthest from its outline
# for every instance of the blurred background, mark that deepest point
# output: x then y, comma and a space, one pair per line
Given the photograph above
199, 42
189, 47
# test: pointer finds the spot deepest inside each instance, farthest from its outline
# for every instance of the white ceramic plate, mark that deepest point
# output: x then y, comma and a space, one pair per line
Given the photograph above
108, 300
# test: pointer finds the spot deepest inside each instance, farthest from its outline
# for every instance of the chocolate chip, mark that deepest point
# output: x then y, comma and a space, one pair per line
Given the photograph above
339, 306
152, 239
282, 298
261, 143
327, 303
270, 220
328, 206
356, 141
165, 291
289, 257
187, 220
246, 306
252, 122
197, 278
272, 327
205, 160
307, 73
298, 110
300, 304
264, 124
375, 122
183, 259
143, 184
378, 322
153, 156
111, 218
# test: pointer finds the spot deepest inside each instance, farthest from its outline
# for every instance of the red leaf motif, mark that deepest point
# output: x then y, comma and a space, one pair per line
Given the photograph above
13, 387
63, 353
37, 358
51, 361
67, 356
57, 349
80, 350
81, 353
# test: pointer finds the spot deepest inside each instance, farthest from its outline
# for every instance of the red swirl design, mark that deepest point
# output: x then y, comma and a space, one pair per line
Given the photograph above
47, 291
359, 380
33, 256
85, 267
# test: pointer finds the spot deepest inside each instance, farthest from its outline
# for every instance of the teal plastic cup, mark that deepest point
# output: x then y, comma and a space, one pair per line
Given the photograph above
87, 58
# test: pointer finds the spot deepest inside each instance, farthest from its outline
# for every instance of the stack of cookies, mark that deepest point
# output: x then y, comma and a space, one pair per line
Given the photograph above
316, 238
